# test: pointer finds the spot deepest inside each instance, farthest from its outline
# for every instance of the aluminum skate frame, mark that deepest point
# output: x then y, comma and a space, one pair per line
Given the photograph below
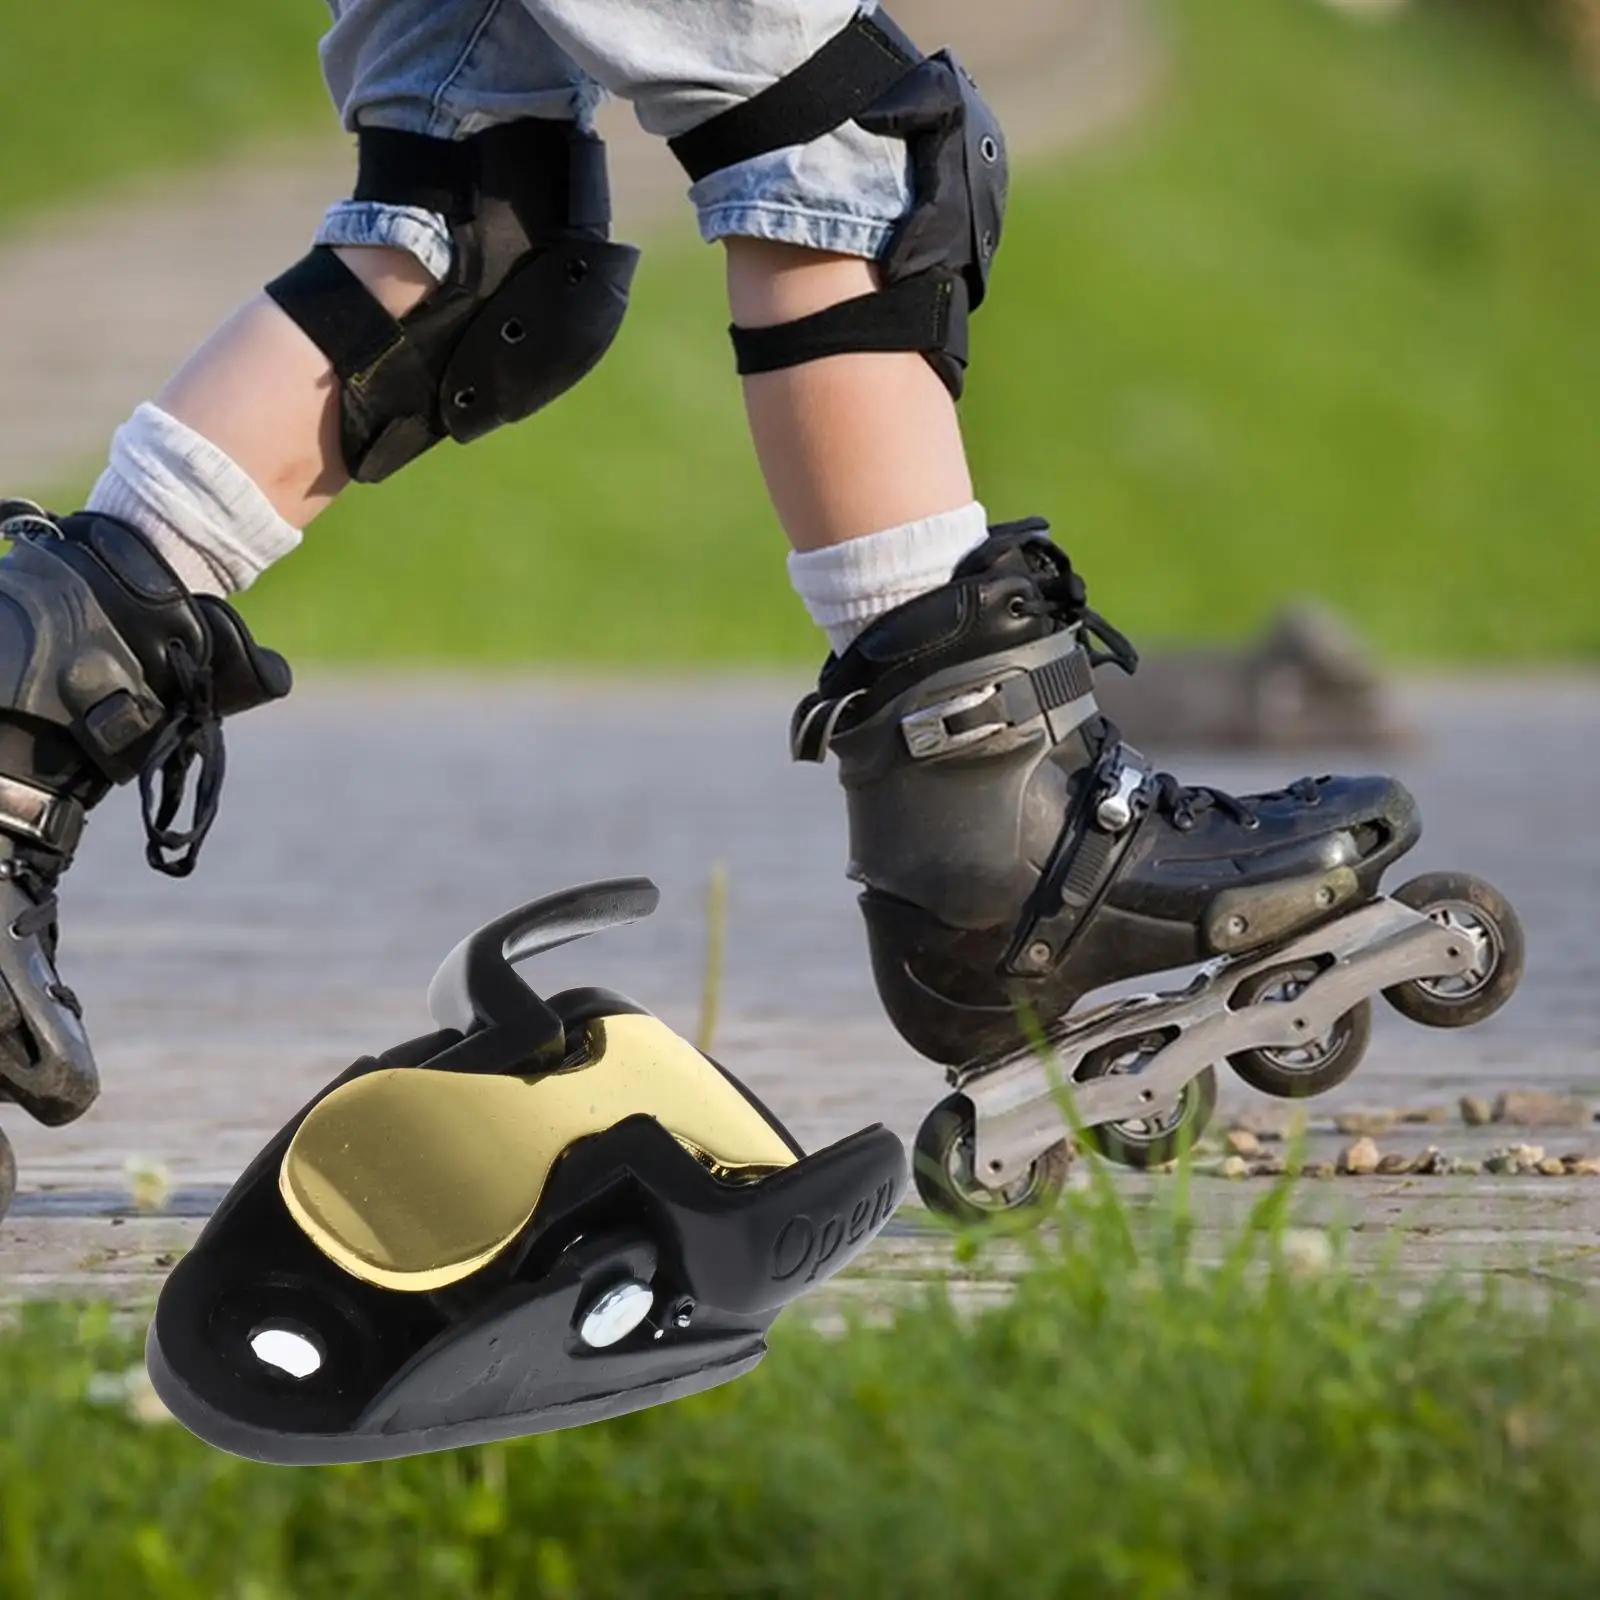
1021, 1104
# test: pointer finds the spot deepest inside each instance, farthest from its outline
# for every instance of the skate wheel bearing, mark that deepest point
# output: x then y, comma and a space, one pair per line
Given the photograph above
1314, 1066
1163, 1135
942, 1166
1482, 918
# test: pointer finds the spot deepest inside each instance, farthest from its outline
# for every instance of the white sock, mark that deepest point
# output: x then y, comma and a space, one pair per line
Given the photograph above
846, 586
200, 509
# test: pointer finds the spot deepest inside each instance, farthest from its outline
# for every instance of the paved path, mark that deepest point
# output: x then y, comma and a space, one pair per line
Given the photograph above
368, 825
98, 304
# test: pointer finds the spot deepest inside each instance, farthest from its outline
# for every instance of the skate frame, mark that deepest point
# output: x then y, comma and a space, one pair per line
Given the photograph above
1021, 1106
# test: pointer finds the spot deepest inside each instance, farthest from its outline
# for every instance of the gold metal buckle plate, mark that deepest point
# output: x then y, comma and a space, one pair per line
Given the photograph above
413, 1179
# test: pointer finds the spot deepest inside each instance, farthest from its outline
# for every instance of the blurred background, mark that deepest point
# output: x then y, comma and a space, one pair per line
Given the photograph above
1297, 302
1298, 298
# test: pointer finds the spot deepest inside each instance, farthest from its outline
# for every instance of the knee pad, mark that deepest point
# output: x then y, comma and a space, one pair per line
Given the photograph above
936, 266
535, 295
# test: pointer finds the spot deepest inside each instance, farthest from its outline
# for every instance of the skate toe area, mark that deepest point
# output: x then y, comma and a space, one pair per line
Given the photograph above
1380, 810
1381, 801
433, 1255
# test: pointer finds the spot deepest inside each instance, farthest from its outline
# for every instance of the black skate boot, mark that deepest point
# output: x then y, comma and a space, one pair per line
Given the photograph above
110, 671
1017, 855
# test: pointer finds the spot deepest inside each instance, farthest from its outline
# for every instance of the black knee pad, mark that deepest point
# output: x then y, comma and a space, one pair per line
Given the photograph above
535, 295
936, 266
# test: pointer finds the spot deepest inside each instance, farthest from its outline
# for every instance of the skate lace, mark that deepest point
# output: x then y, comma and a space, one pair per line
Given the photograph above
194, 733
1184, 804
1062, 595
42, 917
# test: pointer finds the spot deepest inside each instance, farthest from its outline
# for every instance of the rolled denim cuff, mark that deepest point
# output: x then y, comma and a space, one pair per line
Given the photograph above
831, 231
842, 193
423, 234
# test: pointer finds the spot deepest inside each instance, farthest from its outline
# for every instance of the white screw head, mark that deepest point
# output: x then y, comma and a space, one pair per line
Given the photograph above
616, 1313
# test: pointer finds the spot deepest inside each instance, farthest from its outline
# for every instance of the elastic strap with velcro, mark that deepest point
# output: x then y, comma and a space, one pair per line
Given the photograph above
410, 169
337, 313
922, 313
851, 72
552, 176
389, 393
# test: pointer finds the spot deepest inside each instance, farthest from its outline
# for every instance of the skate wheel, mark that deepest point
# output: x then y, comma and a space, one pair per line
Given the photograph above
8, 1175
1152, 1141
1480, 915
942, 1167
1299, 1071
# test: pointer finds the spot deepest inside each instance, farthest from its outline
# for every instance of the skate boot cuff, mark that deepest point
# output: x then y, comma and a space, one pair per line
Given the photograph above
1049, 683
1014, 590
130, 671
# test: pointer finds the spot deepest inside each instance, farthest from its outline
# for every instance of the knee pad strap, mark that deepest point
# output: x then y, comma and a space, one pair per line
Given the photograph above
936, 265
535, 295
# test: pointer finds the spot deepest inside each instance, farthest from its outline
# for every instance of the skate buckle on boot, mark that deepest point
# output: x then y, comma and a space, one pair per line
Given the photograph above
929, 732
1116, 807
546, 1213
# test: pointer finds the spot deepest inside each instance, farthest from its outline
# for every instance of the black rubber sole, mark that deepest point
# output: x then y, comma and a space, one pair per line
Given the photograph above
324, 1450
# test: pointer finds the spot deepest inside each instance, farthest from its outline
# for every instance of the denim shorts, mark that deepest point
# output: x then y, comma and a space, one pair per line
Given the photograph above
450, 68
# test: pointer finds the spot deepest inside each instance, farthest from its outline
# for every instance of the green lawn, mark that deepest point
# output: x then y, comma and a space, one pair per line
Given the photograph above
1324, 322
1131, 1425
99, 90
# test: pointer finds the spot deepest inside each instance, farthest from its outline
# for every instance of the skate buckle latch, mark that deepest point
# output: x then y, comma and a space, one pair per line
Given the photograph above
22, 519
1115, 810
928, 732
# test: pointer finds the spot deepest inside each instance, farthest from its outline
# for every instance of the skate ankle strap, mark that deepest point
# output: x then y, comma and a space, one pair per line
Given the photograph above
40, 816
1058, 690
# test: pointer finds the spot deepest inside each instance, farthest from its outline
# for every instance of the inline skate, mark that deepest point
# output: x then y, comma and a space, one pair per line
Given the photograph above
544, 1213
1017, 855
110, 671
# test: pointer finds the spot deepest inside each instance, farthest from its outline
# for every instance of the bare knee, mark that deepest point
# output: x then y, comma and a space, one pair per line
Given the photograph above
394, 278
771, 283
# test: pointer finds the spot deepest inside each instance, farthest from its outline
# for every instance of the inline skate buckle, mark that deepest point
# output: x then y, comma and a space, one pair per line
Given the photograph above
1116, 807
928, 731
546, 1213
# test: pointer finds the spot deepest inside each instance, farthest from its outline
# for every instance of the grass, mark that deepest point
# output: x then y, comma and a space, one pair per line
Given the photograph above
1128, 1425
98, 91
1322, 322
1323, 325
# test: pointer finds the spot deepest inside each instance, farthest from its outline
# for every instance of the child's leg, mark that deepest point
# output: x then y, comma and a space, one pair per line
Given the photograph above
862, 451
1010, 846
264, 395
119, 655
242, 449
853, 444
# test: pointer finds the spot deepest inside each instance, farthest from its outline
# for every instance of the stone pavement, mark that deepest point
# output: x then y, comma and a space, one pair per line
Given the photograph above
99, 302
367, 825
